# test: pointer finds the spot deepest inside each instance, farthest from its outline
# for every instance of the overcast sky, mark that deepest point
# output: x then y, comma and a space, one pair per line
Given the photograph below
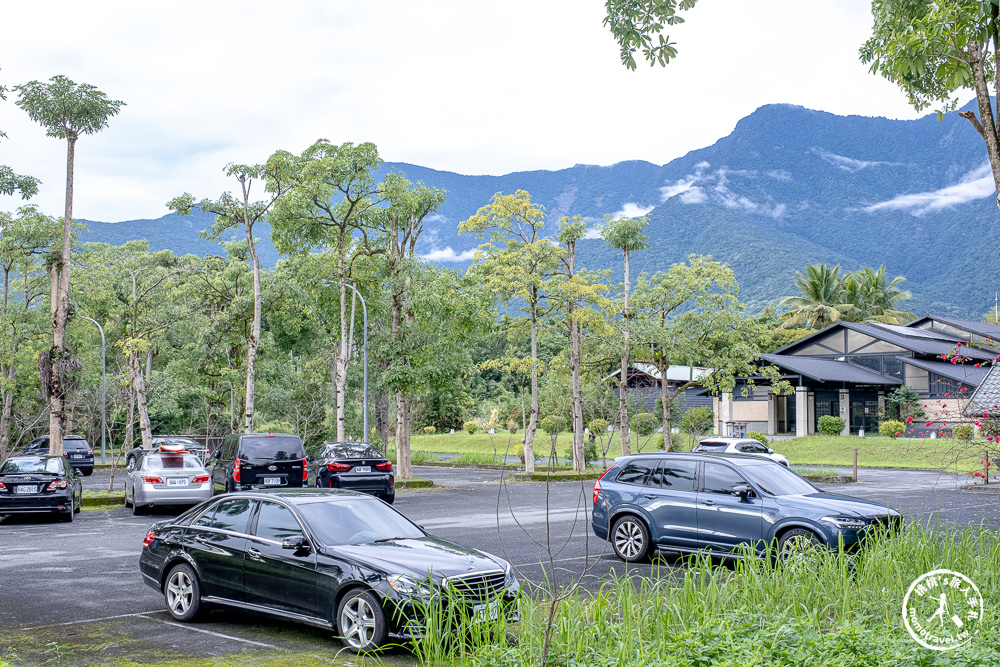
471, 86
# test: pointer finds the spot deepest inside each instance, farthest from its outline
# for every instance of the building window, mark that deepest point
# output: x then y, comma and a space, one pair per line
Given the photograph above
743, 392
942, 387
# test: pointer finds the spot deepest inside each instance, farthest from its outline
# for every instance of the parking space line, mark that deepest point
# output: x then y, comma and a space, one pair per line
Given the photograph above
88, 620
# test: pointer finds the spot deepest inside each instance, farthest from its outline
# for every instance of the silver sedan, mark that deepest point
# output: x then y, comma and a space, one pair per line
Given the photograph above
166, 478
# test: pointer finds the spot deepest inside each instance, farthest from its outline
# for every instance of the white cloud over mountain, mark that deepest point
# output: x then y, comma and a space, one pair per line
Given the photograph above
632, 210
850, 164
449, 255
977, 184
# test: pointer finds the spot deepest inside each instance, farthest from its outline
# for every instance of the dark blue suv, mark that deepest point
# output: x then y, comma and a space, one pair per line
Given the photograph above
75, 448
723, 504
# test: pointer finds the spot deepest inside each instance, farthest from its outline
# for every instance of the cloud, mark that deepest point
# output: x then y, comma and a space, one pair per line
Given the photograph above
977, 184
593, 232
779, 175
632, 210
714, 186
449, 255
683, 185
850, 164
695, 195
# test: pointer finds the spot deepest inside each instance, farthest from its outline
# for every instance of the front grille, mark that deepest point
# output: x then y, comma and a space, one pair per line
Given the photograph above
479, 587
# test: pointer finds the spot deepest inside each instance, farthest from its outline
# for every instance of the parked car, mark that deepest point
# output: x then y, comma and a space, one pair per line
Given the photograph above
161, 477
357, 466
723, 503
259, 460
75, 448
192, 446
327, 557
740, 446
40, 484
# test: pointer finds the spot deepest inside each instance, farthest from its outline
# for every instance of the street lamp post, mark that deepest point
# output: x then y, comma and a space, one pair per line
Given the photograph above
364, 310
104, 395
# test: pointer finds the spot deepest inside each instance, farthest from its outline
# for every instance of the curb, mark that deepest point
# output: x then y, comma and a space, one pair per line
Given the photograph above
835, 479
103, 501
415, 483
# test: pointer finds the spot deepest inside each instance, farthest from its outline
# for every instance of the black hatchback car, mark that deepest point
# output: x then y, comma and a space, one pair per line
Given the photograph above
357, 466
259, 461
335, 559
723, 503
40, 484
75, 448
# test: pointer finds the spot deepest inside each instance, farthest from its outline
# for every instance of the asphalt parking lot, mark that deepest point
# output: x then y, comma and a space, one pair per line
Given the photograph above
71, 593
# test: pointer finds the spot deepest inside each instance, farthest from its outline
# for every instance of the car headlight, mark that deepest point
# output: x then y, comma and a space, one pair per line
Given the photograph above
405, 585
844, 522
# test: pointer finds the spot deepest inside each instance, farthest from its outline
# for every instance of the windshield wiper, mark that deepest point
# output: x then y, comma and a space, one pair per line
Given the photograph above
388, 539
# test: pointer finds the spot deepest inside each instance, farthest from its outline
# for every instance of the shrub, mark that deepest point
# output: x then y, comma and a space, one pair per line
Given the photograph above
471, 427
519, 452
598, 426
697, 421
759, 437
513, 427
590, 452
553, 424
963, 432
830, 425
430, 430
891, 428
644, 423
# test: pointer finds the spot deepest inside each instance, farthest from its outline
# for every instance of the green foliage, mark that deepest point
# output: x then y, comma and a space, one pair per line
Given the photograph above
66, 109
513, 427
430, 430
598, 426
759, 437
519, 453
830, 425
471, 427
904, 402
275, 427
861, 296
644, 423
698, 421
891, 428
590, 452
637, 25
553, 424
963, 432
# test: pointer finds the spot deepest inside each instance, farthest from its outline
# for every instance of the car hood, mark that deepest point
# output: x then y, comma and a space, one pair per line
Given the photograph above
418, 556
824, 504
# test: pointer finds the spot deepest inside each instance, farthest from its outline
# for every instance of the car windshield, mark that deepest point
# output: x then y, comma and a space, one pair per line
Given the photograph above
186, 442
705, 446
32, 465
272, 448
356, 521
777, 480
351, 450
172, 462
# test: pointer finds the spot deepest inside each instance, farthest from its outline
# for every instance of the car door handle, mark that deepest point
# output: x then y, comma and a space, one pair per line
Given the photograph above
649, 496
201, 540
255, 554
708, 502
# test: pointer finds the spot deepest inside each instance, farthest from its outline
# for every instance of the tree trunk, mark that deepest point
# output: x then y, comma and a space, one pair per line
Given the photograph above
139, 386
253, 340
623, 379
129, 419
665, 399
342, 349
529, 433
59, 311
579, 456
403, 464
986, 126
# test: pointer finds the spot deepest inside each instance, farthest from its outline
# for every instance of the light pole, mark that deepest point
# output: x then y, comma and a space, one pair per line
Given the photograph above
104, 396
364, 310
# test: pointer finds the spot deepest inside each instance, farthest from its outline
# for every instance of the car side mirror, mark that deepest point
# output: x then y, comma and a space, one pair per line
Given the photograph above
296, 543
742, 491
770, 451
218, 454
310, 459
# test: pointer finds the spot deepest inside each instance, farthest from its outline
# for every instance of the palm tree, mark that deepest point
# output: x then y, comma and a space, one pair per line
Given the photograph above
821, 301
870, 298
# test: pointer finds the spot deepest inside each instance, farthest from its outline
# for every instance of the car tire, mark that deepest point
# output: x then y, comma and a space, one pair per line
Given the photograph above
797, 542
137, 509
68, 516
389, 497
630, 539
88, 473
182, 593
128, 503
361, 621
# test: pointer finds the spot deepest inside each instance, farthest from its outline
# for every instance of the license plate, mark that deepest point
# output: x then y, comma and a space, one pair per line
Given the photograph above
272, 481
24, 488
362, 468
176, 481
486, 612
76, 456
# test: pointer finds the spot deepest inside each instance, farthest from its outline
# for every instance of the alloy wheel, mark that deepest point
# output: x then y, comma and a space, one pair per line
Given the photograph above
629, 540
180, 592
357, 621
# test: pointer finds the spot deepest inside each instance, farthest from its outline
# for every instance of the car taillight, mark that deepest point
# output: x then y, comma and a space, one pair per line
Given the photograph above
2, 487
236, 471
150, 479
58, 484
597, 485
150, 536
200, 479
65, 453
305, 470
338, 467
385, 465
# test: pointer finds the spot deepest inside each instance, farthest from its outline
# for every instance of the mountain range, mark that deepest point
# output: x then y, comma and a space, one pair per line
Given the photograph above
787, 187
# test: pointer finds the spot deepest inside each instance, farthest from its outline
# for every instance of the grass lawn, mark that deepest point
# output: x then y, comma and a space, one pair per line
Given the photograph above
941, 454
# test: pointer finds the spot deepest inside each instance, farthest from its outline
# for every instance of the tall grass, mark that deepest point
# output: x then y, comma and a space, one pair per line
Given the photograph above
830, 610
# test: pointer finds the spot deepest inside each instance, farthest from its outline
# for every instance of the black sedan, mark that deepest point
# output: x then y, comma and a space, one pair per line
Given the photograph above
40, 484
331, 558
357, 466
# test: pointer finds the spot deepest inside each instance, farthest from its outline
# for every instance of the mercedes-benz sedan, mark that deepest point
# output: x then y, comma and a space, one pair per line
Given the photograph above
723, 503
336, 559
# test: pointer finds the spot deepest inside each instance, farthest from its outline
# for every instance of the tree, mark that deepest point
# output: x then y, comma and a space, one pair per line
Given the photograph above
637, 23
9, 181
933, 49
232, 212
515, 264
868, 297
625, 234
821, 299
400, 225
66, 111
331, 190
